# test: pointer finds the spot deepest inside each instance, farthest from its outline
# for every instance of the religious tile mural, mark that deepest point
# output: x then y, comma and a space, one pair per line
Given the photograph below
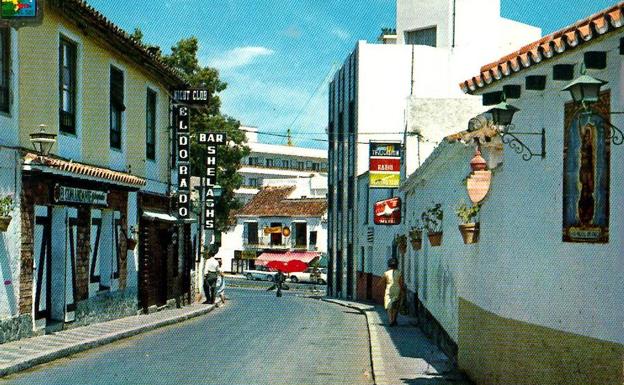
586, 172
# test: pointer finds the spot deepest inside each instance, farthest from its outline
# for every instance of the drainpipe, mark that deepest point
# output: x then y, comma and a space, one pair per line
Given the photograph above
453, 22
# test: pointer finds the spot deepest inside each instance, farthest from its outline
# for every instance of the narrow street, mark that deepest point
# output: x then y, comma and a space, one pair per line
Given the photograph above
255, 339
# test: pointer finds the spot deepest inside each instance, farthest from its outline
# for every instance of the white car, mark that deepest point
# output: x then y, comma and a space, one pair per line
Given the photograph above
310, 275
261, 273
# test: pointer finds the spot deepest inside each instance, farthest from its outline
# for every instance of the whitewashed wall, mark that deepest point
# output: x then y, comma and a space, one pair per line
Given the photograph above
10, 183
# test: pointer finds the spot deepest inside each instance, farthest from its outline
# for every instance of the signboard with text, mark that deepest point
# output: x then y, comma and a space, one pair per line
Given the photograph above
182, 117
21, 13
384, 164
193, 96
388, 212
211, 140
65, 194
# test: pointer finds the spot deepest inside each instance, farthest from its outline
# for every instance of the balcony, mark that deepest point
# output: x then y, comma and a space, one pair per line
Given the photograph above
283, 246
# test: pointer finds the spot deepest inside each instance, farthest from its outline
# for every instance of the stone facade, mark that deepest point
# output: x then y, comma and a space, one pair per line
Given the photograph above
15, 328
106, 306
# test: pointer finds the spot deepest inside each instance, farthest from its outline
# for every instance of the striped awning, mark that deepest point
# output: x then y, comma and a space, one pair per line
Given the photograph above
303, 256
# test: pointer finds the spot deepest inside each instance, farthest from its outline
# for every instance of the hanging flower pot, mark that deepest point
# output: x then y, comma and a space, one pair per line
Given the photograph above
435, 239
402, 244
469, 232
4, 223
415, 236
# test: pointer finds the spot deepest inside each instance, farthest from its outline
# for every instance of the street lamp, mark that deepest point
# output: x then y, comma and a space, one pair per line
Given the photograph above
502, 113
42, 141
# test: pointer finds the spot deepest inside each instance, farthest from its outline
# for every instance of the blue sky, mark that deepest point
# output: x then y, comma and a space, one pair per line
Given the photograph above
277, 54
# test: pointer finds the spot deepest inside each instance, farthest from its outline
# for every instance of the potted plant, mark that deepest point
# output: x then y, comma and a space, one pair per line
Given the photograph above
432, 220
468, 228
6, 205
415, 235
401, 241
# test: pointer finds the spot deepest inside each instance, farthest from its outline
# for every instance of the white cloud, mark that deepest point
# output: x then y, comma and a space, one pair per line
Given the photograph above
340, 33
239, 57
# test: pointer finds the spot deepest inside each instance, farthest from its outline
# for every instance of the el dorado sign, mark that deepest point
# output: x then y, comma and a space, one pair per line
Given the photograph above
64, 194
384, 164
388, 212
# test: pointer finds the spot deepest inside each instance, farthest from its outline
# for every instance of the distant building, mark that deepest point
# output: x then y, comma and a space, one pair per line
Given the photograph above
288, 220
273, 161
385, 90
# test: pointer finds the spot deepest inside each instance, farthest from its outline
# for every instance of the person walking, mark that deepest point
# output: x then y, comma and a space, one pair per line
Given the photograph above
393, 280
211, 273
221, 284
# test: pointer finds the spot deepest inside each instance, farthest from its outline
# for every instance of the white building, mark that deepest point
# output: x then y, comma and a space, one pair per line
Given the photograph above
385, 90
274, 161
287, 217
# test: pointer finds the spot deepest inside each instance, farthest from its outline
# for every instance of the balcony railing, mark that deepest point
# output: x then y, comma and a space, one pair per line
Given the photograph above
320, 169
282, 246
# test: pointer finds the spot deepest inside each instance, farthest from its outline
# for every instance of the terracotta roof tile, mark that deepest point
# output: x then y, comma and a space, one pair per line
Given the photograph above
84, 169
547, 47
274, 202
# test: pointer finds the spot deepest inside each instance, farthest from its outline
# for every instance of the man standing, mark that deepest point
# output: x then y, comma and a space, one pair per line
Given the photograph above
211, 272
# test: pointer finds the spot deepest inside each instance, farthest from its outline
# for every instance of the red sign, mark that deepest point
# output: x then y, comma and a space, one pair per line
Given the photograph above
385, 164
388, 212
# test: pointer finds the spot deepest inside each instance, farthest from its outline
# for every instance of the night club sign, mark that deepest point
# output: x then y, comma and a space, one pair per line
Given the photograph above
586, 172
211, 140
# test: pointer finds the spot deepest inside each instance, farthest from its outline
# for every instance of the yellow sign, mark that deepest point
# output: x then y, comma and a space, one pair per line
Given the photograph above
248, 254
272, 230
286, 231
385, 180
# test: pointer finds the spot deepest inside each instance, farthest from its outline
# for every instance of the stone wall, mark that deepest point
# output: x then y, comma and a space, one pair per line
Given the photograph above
106, 306
12, 329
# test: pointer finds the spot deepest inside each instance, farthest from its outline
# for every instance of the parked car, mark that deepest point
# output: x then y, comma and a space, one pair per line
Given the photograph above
310, 275
261, 273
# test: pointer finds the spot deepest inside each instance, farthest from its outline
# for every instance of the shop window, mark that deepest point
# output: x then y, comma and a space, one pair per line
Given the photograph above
67, 86
117, 106
150, 125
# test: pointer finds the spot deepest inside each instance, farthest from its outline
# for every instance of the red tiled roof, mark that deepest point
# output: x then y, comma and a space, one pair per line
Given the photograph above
78, 10
83, 169
548, 47
273, 202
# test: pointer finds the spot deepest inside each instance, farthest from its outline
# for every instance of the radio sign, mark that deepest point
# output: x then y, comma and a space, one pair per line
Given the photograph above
182, 118
192, 96
384, 164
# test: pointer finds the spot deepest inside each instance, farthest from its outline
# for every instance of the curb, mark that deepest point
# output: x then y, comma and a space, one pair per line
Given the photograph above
91, 343
373, 349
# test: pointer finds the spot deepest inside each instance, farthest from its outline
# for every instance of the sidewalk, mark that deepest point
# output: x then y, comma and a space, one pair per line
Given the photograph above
29, 352
403, 354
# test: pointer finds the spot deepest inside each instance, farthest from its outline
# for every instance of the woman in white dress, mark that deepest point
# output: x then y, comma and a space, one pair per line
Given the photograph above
393, 280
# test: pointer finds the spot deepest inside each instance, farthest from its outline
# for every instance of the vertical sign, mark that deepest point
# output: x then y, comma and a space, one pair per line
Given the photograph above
182, 122
385, 164
211, 140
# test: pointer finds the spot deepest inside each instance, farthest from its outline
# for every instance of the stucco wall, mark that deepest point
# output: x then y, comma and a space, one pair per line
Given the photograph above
10, 184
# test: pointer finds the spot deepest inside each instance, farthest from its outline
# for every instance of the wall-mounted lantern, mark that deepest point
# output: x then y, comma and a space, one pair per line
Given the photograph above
42, 141
502, 115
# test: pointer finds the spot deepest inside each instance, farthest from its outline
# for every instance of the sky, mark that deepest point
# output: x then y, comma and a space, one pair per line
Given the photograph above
277, 55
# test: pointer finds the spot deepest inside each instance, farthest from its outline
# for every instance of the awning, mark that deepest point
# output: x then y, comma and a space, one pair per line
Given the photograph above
159, 216
303, 256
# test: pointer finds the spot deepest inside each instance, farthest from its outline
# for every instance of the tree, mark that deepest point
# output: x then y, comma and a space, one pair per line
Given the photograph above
183, 58
137, 35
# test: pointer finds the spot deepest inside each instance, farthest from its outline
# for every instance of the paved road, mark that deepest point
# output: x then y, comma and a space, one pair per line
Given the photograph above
255, 338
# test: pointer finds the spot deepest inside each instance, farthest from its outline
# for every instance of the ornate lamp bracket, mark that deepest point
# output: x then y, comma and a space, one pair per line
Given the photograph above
510, 136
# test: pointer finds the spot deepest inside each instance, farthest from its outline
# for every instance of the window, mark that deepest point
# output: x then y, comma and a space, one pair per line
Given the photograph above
313, 236
300, 165
252, 233
301, 234
67, 86
285, 164
269, 162
116, 106
253, 160
253, 182
425, 36
5, 69
276, 238
316, 166
150, 125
